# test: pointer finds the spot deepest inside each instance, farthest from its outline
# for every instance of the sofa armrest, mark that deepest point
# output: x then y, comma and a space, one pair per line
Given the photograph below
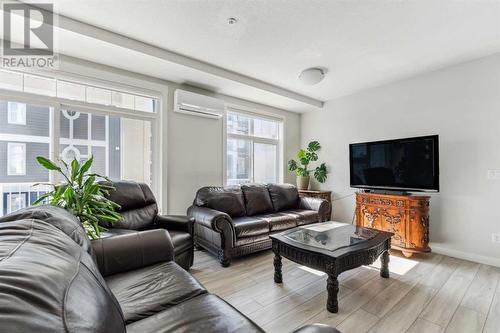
175, 222
210, 218
320, 205
123, 253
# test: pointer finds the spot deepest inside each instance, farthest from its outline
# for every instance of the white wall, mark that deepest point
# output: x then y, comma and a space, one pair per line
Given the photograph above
195, 149
462, 105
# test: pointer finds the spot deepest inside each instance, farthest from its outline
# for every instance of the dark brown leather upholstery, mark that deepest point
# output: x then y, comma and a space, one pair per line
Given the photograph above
138, 206
224, 199
269, 208
250, 226
283, 196
49, 282
140, 212
161, 286
207, 313
303, 216
257, 199
60, 218
280, 221
119, 254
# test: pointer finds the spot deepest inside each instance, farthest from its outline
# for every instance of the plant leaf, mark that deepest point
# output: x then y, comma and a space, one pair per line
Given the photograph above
313, 146
320, 173
292, 165
41, 199
47, 164
75, 167
86, 166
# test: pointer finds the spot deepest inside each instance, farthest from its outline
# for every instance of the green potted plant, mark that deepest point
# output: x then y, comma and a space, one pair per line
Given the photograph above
82, 194
301, 168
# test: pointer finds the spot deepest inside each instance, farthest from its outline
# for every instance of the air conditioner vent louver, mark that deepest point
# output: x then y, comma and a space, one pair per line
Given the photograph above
198, 105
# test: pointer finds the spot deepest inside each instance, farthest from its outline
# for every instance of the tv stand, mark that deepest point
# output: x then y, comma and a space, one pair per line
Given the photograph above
407, 216
388, 192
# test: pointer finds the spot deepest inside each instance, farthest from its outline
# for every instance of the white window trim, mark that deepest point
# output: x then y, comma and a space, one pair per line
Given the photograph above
10, 146
84, 84
278, 142
10, 111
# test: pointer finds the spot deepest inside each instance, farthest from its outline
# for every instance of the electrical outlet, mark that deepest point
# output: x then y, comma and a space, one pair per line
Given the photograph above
493, 174
495, 238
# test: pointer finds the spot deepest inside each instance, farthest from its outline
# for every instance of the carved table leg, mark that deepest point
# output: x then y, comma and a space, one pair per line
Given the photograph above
332, 286
384, 268
278, 277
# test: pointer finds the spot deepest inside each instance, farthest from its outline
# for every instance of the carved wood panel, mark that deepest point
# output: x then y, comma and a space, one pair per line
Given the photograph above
405, 216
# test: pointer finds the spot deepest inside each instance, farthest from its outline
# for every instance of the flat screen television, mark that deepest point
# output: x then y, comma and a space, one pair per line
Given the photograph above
410, 164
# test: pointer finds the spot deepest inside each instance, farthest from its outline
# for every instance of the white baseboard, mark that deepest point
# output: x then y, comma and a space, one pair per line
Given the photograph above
465, 255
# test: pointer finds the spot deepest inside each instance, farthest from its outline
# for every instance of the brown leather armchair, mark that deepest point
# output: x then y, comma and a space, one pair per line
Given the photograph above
139, 211
234, 221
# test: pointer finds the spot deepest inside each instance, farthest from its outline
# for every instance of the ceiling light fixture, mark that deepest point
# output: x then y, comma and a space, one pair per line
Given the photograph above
312, 75
232, 21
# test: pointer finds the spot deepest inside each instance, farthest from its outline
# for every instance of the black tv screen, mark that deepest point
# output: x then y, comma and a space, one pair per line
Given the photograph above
404, 164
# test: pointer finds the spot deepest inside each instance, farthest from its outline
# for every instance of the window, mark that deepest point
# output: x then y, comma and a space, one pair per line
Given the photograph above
121, 147
15, 201
76, 91
16, 159
252, 149
16, 113
65, 118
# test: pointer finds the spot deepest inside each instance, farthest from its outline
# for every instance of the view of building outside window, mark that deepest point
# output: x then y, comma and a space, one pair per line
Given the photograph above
121, 148
252, 149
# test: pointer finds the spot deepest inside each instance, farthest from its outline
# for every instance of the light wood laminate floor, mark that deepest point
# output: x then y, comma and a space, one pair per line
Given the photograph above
425, 294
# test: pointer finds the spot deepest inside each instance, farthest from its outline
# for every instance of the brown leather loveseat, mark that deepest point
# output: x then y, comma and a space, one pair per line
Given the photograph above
237, 220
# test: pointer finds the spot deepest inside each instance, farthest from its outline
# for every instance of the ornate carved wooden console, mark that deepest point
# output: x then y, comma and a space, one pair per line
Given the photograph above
407, 216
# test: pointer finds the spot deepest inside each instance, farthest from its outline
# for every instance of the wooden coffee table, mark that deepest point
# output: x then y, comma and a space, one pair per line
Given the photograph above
331, 247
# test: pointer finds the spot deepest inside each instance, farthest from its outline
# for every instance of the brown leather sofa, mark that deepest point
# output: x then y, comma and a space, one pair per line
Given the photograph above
234, 221
139, 212
54, 279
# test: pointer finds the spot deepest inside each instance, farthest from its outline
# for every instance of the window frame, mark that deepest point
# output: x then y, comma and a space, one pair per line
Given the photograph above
279, 142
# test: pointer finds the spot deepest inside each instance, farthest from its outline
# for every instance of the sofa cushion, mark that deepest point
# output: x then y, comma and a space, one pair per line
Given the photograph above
223, 199
49, 283
146, 291
56, 216
206, 313
283, 196
280, 221
257, 199
138, 205
248, 226
131, 195
303, 216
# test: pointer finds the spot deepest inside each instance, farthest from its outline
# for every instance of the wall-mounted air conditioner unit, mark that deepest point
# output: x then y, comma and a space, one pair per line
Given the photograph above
198, 105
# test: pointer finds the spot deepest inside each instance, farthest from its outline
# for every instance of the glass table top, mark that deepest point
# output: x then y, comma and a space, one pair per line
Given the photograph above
331, 235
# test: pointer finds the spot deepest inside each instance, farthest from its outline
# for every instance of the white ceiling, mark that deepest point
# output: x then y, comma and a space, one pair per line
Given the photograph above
361, 43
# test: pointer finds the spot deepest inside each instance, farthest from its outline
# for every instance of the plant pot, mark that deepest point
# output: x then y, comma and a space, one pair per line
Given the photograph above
302, 182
